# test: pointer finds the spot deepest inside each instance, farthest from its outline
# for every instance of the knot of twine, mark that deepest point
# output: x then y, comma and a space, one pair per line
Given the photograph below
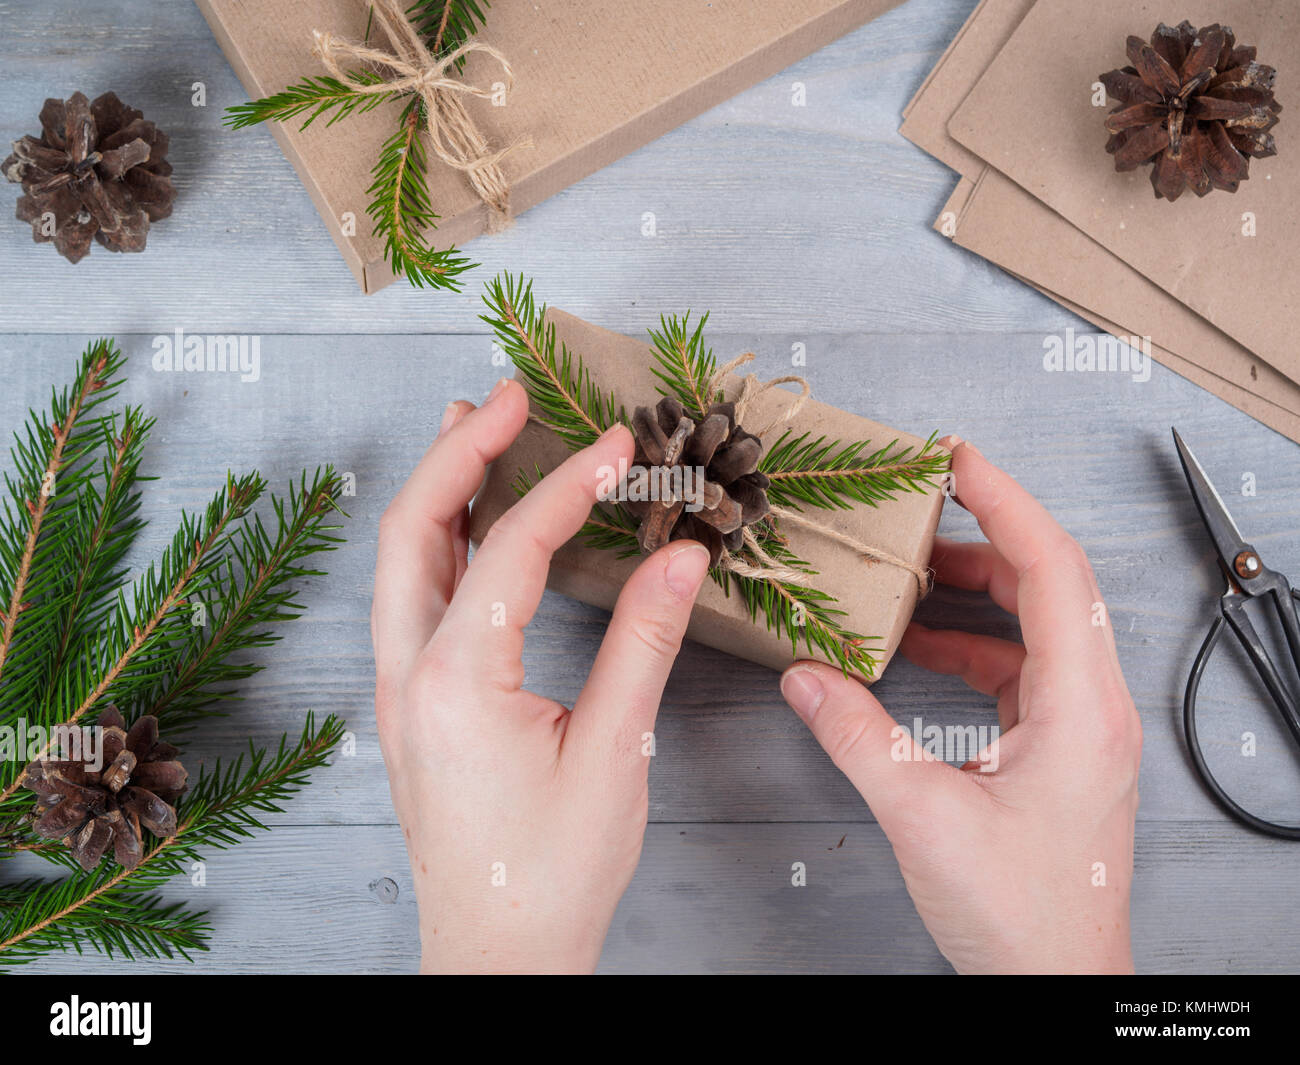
455, 139
772, 569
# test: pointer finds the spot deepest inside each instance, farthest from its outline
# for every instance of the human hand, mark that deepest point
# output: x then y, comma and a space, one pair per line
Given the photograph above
1027, 868
523, 822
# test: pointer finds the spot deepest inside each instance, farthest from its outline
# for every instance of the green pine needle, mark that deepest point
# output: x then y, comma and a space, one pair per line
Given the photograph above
685, 364
315, 97
401, 210
447, 24
570, 402
75, 639
399, 207
107, 910
828, 474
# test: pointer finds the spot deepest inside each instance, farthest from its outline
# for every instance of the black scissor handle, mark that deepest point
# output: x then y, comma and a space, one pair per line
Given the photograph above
1193, 743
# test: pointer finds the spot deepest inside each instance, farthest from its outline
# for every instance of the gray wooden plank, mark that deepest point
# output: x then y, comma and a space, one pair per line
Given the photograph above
712, 899
781, 217
729, 749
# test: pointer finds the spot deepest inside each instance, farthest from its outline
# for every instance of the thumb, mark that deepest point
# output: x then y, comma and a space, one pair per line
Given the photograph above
878, 756
615, 714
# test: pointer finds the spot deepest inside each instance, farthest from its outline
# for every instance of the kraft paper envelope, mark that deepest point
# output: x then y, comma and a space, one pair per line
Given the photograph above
1032, 117
1002, 252
1064, 262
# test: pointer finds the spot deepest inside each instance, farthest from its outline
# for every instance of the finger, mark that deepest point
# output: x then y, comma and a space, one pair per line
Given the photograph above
989, 665
422, 533
975, 567
878, 756
504, 583
1056, 593
617, 708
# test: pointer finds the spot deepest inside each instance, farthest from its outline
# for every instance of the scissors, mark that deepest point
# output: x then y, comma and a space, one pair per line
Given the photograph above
1248, 580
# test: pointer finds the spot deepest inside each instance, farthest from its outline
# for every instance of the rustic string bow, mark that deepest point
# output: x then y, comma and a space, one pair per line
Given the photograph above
455, 139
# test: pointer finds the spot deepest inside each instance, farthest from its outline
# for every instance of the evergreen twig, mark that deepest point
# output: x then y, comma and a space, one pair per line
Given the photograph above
399, 208
828, 474
81, 642
106, 909
571, 403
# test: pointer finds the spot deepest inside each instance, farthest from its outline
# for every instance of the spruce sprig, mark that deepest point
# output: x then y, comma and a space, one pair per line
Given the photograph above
399, 207
685, 364
828, 474
316, 97
803, 471
108, 909
799, 611
82, 641
38, 516
251, 590
571, 403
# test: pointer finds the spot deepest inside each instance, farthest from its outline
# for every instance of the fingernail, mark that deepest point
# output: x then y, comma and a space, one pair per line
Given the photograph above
952, 441
685, 570
803, 691
497, 389
448, 417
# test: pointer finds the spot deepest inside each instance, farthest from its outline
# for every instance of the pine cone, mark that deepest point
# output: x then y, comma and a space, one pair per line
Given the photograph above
1196, 105
733, 494
136, 787
99, 169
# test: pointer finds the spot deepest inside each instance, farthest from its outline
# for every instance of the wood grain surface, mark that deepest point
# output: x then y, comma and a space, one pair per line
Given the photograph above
792, 225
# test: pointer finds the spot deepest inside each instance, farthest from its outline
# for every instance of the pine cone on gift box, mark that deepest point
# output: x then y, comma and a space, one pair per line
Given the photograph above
733, 494
139, 781
1194, 104
98, 169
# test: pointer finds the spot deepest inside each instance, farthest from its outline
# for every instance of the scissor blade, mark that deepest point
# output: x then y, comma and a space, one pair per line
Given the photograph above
1227, 538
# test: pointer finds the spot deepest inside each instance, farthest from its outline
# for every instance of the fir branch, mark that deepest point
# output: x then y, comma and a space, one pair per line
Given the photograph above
107, 524
248, 593
686, 364
314, 96
447, 24
49, 464
133, 646
222, 809
828, 474
799, 612
571, 403
401, 209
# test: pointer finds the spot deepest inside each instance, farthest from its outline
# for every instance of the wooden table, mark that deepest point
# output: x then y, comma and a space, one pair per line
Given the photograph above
792, 225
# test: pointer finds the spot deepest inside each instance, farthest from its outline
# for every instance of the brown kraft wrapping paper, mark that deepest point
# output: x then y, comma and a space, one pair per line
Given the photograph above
592, 82
878, 598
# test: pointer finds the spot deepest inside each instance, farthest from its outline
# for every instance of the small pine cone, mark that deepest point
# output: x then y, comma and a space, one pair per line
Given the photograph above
732, 495
97, 170
1195, 105
138, 781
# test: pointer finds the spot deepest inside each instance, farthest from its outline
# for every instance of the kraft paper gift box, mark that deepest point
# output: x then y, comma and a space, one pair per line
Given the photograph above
877, 597
592, 82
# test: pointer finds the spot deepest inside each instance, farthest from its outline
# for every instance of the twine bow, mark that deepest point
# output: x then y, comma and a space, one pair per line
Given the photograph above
771, 569
454, 137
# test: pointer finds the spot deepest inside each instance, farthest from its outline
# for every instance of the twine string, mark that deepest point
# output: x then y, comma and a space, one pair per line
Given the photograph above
772, 569
453, 135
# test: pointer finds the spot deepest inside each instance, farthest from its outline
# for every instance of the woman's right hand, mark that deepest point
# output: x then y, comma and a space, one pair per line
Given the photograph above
1026, 868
